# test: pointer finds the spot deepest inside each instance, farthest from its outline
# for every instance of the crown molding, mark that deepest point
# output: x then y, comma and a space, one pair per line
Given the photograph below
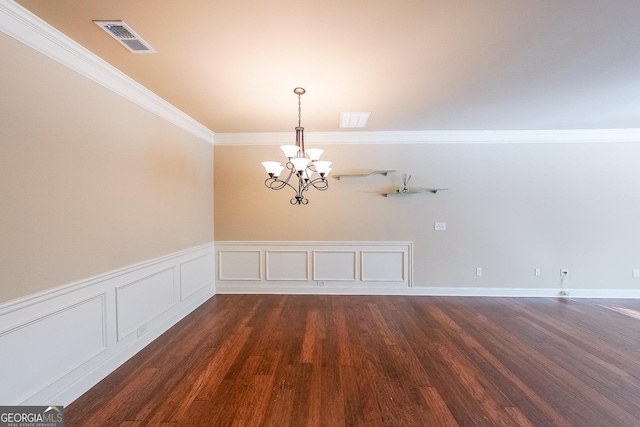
436, 137
27, 28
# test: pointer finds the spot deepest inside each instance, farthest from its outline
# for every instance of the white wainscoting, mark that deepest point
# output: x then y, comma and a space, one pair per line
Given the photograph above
314, 267
56, 345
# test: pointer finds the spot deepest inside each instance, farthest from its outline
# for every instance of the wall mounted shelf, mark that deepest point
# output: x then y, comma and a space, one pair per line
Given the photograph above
395, 191
414, 191
355, 175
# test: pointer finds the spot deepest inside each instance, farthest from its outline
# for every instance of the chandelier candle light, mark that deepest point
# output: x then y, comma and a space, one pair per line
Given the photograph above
302, 165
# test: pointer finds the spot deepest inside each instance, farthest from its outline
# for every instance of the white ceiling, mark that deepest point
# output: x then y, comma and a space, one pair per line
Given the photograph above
417, 65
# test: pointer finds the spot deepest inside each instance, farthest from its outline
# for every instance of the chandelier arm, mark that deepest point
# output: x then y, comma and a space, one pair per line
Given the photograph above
320, 184
271, 181
275, 184
278, 184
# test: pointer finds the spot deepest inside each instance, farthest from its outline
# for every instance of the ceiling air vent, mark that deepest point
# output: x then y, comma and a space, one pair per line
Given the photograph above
354, 120
125, 36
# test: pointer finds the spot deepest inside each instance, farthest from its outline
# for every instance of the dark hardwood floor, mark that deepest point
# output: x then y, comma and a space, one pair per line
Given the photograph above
275, 360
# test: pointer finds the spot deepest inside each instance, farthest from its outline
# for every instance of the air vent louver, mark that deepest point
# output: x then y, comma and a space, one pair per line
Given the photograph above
125, 36
354, 120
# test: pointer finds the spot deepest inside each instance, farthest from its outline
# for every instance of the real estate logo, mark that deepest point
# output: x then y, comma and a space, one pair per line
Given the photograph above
31, 416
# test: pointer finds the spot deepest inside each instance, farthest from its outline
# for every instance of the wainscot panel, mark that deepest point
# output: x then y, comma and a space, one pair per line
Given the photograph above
46, 348
287, 265
383, 266
336, 267
62, 342
139, 302
195, 274
239, 265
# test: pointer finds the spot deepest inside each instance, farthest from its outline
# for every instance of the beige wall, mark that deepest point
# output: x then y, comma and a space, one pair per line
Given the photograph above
89, 182
511, 208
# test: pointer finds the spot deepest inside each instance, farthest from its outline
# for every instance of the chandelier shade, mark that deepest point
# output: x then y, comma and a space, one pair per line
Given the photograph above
301, 164
273, 168
314, 153
323, 167
290, 150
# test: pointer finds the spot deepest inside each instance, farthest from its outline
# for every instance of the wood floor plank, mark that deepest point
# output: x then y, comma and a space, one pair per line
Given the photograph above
306, 360
439, 413
361, 405
518, 418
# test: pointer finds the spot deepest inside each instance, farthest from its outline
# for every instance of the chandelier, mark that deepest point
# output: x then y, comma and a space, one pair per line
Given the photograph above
301, 166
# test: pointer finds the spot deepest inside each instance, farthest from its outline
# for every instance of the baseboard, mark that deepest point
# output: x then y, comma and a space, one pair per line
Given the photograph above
64, 341
459, 291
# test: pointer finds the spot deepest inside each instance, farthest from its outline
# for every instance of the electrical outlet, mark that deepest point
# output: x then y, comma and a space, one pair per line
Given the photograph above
320, 282
440, 226
636, 273
479, 271
536, 271
564, 272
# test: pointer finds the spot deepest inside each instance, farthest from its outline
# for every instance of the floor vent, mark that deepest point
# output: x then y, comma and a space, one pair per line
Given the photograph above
125, 36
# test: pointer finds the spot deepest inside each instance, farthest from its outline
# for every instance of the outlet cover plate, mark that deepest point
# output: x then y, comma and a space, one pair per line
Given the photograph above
440, 226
